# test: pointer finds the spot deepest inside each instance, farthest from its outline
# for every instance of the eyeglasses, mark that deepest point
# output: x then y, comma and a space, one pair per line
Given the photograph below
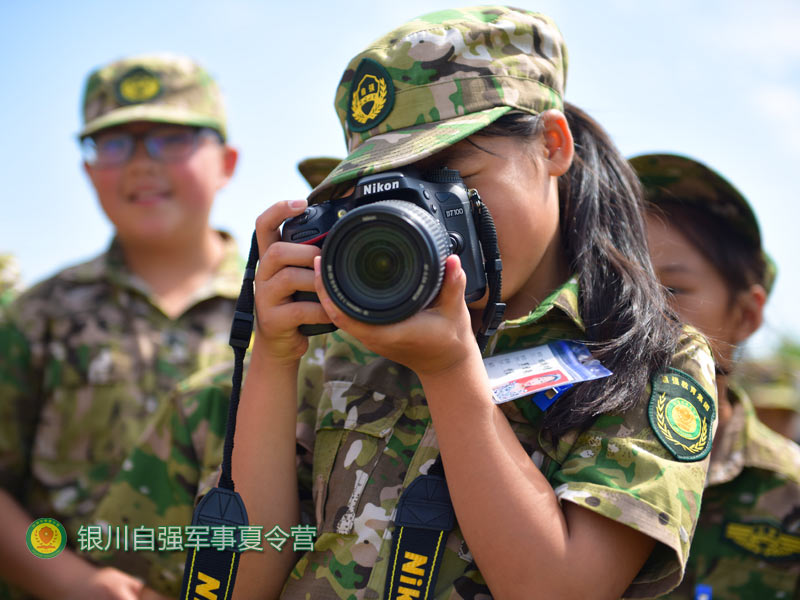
164, 144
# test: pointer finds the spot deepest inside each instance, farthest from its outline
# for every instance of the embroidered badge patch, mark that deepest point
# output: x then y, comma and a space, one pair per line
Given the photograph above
371, 96
681, 413
138, 85
764, 540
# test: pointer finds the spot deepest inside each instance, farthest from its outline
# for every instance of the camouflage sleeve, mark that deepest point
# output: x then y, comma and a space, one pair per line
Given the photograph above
647, 468
9, 279
19, 391
157, 485
309, 390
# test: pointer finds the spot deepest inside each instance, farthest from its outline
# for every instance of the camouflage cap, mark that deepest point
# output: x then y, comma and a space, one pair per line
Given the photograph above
164, 88
440, 78
315, 169
672, 177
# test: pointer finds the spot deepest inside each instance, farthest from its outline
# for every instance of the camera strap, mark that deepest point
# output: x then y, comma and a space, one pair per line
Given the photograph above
425, 514
210, 572
423, 518
493, 266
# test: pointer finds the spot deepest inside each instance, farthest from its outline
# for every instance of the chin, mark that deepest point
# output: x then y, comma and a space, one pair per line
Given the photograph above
155, 235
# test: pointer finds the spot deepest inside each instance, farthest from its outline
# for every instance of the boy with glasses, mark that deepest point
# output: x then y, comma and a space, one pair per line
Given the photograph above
91, 353
192, 424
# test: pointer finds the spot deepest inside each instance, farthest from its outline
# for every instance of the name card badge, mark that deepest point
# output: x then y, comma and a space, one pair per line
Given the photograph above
545, 372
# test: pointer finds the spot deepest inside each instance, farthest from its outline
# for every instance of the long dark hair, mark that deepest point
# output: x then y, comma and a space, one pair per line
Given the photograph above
629, 325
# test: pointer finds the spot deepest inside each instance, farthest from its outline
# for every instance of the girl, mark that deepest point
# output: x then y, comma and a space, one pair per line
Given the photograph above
583, 500
706, 249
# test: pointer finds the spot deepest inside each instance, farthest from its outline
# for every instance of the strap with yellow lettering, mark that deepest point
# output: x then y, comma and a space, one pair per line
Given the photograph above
424, 518
210, 571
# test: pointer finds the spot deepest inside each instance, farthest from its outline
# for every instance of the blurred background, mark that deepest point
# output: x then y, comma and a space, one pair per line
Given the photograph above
717, 80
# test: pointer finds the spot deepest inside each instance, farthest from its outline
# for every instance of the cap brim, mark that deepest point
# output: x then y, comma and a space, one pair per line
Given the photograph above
315, 169
151, 112
402, 147
775, 396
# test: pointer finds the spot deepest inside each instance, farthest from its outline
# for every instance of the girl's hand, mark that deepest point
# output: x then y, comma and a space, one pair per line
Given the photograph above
430, 342
150, 594
284, 268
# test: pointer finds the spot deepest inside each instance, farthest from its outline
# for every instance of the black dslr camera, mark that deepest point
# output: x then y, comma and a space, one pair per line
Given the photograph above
385, 244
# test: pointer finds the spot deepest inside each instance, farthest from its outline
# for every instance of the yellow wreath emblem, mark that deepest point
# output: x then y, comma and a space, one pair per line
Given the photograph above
662, 425
377, 98
139, 87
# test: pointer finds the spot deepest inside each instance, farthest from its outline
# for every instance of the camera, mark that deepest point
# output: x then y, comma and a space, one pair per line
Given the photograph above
384, 246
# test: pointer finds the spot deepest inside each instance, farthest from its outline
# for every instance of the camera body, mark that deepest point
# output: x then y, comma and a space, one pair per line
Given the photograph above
385, 244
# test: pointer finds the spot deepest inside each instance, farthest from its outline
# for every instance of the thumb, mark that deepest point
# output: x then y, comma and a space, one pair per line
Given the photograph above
451, 296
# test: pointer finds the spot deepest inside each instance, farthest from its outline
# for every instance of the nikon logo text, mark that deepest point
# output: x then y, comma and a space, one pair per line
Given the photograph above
453, 212
412, 578
374, 188
206, 587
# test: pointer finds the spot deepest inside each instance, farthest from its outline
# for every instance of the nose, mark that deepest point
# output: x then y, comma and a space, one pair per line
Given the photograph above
140, 156
139, 149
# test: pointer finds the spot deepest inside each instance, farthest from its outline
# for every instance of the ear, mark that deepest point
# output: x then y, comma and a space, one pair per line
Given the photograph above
89, 170
230, 157
748, 312
558, 144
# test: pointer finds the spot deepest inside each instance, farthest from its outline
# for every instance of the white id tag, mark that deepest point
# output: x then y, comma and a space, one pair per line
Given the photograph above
545, 371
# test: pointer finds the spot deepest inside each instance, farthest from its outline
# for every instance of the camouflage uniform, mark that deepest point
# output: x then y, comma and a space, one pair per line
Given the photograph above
747, 543
177, 456
89, 357
365, 433
363, 423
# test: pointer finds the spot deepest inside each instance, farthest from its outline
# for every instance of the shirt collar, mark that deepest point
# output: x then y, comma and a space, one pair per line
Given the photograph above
227, 280
564, 298
747, 442
111, 266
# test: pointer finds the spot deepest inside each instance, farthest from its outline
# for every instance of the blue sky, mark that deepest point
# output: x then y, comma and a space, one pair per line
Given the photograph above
717, 80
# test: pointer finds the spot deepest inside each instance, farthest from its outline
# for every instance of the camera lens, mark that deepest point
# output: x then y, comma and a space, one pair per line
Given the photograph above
378, 266
374, 261
384, 261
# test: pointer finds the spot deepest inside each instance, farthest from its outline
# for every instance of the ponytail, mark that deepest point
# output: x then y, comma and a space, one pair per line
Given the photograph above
629, 326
